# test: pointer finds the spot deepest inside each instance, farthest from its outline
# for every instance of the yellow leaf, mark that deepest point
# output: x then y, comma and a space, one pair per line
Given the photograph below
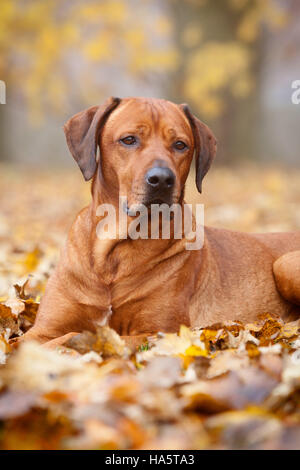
195, 351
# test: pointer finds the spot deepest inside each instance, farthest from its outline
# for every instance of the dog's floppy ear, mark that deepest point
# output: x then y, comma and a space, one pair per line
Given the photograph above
205, 145
82, 133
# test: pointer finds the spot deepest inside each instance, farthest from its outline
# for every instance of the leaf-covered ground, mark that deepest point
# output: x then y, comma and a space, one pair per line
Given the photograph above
229, 386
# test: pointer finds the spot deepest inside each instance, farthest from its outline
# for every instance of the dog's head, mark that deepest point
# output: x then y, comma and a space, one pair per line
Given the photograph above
146, 147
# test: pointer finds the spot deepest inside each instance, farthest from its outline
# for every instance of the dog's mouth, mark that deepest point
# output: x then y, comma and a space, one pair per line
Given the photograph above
159, 201
133, 208
139, 200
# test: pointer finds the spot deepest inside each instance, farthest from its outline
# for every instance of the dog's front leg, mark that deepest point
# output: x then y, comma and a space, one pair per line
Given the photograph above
69, 305
132, 342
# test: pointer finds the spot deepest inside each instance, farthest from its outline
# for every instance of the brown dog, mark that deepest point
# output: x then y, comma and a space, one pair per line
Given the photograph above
144, 286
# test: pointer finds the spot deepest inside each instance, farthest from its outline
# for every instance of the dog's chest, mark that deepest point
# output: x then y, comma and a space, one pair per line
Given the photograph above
151, 295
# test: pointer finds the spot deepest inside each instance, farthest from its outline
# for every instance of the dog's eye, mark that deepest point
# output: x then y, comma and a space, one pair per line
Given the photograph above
129, 140
179, 145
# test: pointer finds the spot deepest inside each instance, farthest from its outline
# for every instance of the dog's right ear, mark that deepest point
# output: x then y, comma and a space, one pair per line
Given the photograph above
82, 133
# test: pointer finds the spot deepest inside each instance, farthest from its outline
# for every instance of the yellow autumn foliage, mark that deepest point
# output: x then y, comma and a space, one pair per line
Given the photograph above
216, 68
220, 65
40, 40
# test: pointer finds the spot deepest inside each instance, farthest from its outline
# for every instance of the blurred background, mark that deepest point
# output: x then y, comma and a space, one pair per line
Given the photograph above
233, 61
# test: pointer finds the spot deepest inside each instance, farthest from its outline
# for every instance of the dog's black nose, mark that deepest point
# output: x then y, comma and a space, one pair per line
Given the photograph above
160, 178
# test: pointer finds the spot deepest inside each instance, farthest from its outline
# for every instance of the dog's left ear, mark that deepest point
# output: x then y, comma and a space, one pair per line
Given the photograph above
82, 134
205, 145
